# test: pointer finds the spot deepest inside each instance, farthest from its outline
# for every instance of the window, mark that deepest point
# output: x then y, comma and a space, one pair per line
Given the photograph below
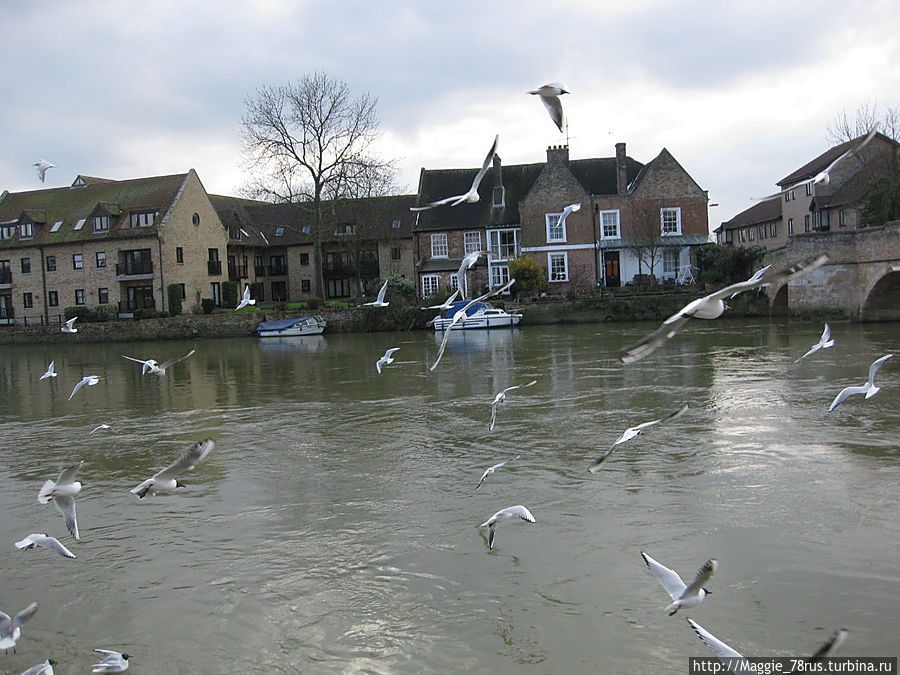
790, 226
430, 284
806, 223
498, 199
773, 229
7, 231
439, 245
729, 236
79, 296
26, 230
179, 255
79, 224
26, 265
499, 275
809, 189
762, 231
51, 263
454, 282
143, 219
396, 224
77, 261
215, 292
103, 296
751, 233
277, 266
27, 300
472, 242
842, 218
279, 231
305, 229
790, 196
503, 244
559, 266
183, 291
304, 258
743, 235
101, 223
195, 219
395, 253
101, 259
609, 225
671, 258
53, 299
670, 220
56, 225
304, 285
279, 291
556, 228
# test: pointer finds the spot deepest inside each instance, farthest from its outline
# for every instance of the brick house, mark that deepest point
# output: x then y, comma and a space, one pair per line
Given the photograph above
108, 243
760, 225
519, 214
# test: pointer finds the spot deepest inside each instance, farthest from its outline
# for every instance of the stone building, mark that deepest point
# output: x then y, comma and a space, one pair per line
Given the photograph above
760, 225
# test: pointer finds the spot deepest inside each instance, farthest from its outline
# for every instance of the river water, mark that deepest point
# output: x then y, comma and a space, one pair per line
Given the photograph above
334, 527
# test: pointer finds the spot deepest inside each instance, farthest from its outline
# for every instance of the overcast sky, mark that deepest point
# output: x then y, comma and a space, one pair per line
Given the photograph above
740, 93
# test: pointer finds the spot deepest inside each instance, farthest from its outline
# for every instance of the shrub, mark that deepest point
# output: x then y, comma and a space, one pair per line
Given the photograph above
529, 276
174, 296
229, 294
104, 313
145, 313
82, 312
314, 303
727, 264
208, 305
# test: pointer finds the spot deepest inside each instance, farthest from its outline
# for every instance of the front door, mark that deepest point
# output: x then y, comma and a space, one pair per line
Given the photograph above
611, 269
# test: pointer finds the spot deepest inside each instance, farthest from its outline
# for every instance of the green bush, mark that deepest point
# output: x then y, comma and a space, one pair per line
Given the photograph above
727, 264
229, 294
314, 303
208, 305
104, 313
529, 276
174, 296
82, 312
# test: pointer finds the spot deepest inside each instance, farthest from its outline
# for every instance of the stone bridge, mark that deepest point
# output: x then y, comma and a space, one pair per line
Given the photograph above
861, 280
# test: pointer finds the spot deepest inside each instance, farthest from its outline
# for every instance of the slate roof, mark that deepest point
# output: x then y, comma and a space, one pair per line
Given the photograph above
820, 163
761, 212
856, 187
71, 204
597, 176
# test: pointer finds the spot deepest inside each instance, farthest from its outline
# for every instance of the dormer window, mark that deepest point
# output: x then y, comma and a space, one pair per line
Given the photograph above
346, 228
499, 197
26, 230
279, 231
142, 219
101, 223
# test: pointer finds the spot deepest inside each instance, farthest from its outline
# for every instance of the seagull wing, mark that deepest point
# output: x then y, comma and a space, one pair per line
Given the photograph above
441, 202
67, 476
24, 616
852, 151
875, 366
168, 363
716, 646
653, 341
66, 506
488, 160
830, 644
493, 416
387, 354
554, 107
703, 576
844, 393
78, 386
669, 579
40, 539
381, 292
188, 459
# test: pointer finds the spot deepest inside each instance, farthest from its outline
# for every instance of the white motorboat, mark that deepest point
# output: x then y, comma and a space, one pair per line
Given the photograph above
307, 325
479, 315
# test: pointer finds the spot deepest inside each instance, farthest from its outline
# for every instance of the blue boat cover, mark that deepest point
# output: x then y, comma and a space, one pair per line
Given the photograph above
281, 324
458, 305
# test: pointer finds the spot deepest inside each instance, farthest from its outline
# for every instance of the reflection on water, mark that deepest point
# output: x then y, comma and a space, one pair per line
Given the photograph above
334, 528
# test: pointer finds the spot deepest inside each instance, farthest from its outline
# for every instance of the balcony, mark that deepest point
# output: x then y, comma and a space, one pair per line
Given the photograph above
129, 306
214, 267
7, 316
278, 270
134, 269
342, 269
259, 271
236, 272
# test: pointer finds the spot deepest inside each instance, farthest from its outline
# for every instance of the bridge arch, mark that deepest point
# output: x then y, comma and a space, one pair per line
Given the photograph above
882, 303
778, 303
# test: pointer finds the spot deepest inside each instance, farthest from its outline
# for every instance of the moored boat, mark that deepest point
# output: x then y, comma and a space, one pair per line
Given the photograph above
479, 315
307, 325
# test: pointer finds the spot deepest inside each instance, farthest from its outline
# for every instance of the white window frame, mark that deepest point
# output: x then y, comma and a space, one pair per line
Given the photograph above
565, 261
101, 223
552, 221
497, 250
439, 245
773, 229
674, 261
427, 281
454, 282
618, 233
472, 241
676, 210
499, 276
26, 231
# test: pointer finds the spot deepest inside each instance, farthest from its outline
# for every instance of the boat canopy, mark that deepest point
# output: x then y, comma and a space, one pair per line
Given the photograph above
459, 304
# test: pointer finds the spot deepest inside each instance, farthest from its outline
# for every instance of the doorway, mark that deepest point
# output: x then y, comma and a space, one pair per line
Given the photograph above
611, 272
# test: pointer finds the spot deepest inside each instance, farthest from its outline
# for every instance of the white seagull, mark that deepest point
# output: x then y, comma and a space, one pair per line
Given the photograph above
446, 303
682, 595
492, 469
89, 380
100, 427
165, 481
42, 165
472, 195
45, 668
69, 326
460, 316
723, 651
565, 214
869, 388
711, 306
113, 662
263, 237
10, 630
824, 343
62, 494
151, 366
466, 263
41, 539
500, 398
518, 511
379, 301
630, 433
246, 300
50, 372
757, 275
386, 359
550, 94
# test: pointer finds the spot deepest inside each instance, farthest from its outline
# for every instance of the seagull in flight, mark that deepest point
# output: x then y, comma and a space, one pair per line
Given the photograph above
113, 662
757, 275
824, 176
263, 237
42, 165
89, 380
500, 398
550, 94
447, 303
869, 388
99, 428
460, 317
630, 433
151, 366
62, 494
472, 195
518, 511
41, 539
492, 469
723, 651
682, 595
45, 668
466, 263
379, 301
165, 481
69, 326
386, 359
711, 306
565, 214
824, 343
50, 371
245, 300
10, 629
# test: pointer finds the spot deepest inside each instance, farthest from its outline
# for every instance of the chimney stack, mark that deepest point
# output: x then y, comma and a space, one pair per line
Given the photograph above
558, 154
621, 170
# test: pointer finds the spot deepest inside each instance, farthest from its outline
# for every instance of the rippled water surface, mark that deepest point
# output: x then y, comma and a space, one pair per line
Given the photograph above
334, 528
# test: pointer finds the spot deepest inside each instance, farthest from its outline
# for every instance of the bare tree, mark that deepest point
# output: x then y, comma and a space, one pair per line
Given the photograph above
646, 237
845, 127
307, 142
